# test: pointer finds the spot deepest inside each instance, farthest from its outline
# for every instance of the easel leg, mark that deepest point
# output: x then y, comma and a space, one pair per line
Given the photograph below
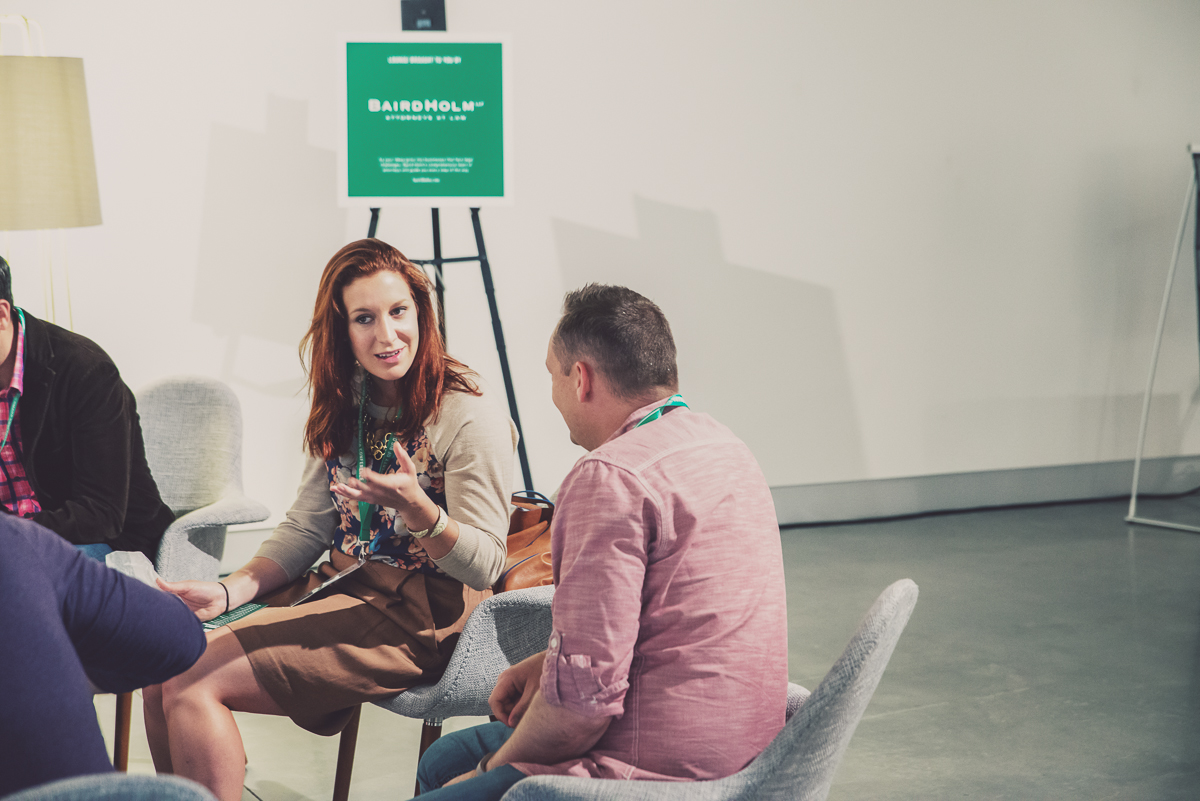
1132, 517
500, 348
437, 273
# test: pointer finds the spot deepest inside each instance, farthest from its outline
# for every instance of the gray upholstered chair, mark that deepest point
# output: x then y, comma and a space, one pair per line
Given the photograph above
502, 631
192, 427
800, 762
115, 787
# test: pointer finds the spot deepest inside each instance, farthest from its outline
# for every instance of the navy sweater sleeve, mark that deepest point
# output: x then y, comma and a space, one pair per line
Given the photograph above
64, 618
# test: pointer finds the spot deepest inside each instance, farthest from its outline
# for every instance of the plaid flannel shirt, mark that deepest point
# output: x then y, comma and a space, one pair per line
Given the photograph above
16, 493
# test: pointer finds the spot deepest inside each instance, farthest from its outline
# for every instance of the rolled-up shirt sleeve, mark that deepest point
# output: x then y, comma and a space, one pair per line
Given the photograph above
604, 521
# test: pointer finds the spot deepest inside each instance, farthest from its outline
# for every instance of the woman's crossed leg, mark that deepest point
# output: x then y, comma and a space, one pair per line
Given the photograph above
189, 719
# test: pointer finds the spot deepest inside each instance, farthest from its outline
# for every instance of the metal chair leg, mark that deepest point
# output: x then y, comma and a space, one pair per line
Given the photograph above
121, 732
430, 732
345, 761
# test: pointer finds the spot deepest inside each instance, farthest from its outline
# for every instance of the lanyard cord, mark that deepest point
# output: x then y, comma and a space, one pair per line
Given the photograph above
16, 393
364, 508
672, 402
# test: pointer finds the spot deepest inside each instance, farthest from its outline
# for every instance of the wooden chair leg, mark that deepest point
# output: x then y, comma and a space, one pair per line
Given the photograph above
121, 732
345, 762
430, 732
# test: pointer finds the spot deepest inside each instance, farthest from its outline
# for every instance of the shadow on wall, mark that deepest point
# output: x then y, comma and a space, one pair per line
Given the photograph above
270, 223
1126, 228
759, 352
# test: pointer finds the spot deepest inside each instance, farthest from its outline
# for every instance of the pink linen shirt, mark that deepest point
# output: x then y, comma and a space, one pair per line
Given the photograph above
669, 612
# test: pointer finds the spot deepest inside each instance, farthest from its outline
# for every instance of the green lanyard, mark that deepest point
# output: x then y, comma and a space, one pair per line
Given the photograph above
672, 402
16, 393
364, 508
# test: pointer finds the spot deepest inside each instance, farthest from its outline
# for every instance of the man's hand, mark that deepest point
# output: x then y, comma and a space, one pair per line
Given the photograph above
515, 690
205, 598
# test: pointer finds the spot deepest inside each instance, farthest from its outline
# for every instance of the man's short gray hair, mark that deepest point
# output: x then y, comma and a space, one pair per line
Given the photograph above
623, 334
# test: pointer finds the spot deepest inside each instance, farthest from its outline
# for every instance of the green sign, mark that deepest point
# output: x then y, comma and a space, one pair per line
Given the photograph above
424, 120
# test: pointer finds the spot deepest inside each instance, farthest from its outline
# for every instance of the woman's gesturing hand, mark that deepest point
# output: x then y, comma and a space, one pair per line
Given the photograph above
206, 598
398, 490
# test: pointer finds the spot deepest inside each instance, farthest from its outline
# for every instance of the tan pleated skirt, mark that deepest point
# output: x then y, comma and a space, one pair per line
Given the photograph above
374, 633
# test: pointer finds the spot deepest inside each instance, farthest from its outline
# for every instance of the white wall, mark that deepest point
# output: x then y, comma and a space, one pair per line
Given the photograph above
894, 238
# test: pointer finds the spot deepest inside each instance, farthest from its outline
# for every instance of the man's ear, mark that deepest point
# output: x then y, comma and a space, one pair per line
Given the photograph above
584, 382
6, 316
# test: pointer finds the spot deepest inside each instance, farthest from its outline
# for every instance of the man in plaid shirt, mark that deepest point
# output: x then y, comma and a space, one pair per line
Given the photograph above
71, 453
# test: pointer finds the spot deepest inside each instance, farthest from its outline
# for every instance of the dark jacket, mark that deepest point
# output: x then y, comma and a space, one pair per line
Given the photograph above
81, 445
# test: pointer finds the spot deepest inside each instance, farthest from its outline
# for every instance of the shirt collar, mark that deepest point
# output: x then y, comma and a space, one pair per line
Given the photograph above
18, 376
637, 415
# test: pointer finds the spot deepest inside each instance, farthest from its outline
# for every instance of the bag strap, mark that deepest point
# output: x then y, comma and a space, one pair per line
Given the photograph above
531, 498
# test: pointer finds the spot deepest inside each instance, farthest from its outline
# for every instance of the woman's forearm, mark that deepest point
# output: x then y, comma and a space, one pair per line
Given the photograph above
422, 516
258, 577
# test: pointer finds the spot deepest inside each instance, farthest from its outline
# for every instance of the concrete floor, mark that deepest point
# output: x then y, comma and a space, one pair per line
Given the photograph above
1053, 652
1053, 655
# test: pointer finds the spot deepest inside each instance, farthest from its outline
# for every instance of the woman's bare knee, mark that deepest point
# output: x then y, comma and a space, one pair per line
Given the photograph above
223, 675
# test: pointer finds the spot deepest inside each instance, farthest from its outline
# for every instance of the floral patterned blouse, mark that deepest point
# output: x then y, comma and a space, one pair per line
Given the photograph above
390, 543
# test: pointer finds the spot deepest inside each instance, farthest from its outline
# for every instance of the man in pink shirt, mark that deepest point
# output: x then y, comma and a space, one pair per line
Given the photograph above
668, 656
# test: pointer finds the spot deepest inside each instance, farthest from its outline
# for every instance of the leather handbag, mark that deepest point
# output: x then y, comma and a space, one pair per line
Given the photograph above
528, 560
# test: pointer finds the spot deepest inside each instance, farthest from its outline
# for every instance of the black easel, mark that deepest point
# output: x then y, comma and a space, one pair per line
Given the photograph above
481, 256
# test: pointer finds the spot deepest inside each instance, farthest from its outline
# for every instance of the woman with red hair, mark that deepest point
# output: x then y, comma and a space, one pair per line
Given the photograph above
407, 488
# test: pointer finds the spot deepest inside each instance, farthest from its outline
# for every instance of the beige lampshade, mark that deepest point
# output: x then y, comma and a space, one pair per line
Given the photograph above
47, 167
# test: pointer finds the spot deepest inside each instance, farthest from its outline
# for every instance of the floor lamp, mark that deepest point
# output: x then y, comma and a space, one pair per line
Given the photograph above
47, 166
1188, 201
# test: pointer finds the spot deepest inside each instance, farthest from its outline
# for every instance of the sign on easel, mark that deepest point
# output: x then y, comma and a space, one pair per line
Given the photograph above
426, 122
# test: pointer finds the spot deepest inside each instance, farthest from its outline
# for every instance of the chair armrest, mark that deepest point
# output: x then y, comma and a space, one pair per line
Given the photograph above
502, 631
228, 511
191, 547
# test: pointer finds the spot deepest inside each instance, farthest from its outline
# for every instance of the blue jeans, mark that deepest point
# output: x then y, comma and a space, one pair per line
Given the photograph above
95, 551
458, 753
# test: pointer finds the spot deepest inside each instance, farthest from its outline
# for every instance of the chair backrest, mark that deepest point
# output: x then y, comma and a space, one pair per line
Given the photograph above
800, 762
116, 787
192, 427
503, 630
